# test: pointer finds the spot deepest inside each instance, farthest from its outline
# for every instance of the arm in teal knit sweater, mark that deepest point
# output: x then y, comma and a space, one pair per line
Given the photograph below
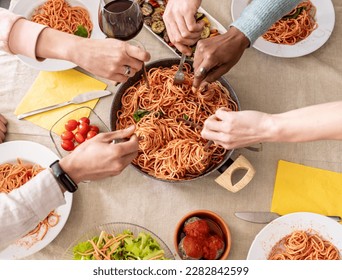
220, 53
258, 16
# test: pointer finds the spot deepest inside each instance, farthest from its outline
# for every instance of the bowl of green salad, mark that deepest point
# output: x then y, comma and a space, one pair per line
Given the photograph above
118, 241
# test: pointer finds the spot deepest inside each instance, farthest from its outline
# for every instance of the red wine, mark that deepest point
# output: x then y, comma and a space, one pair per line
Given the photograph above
118, 6
121, 19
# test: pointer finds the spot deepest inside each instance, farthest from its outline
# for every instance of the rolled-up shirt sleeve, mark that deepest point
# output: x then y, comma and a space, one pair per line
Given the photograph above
18, 36
22, 209
7, 20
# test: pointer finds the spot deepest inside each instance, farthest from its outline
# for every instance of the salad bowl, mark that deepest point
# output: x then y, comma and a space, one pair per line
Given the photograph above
136, 243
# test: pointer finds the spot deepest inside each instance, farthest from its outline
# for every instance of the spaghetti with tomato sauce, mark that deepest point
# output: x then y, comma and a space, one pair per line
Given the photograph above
170, 148
60, 15
293, 27
302, 245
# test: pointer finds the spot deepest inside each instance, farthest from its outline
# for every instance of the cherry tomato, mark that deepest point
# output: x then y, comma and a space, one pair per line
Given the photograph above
94, 128
67, 145
79, 137
83, 128
67, 135
84, 120
71, 125
91, 134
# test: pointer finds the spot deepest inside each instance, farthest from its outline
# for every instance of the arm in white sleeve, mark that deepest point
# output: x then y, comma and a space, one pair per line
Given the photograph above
22, 209
259, 16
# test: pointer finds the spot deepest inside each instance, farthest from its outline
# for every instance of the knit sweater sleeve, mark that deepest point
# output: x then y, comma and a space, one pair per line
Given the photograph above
259, 15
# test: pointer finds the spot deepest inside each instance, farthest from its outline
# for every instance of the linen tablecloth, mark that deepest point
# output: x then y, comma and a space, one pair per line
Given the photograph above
262, 82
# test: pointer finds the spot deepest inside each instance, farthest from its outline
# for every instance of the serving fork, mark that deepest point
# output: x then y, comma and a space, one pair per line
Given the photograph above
198, 127
179, 76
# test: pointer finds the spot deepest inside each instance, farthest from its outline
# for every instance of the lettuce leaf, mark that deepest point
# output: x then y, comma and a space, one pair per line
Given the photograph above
81, 248
142, 247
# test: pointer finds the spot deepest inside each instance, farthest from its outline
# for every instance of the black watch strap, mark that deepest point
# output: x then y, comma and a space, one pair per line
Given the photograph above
62, 177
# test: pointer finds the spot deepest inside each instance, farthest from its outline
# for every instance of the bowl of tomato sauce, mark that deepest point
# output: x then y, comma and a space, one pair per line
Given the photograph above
202, 235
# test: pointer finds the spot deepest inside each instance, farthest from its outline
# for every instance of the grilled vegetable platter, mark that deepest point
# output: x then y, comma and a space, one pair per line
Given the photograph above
153, 11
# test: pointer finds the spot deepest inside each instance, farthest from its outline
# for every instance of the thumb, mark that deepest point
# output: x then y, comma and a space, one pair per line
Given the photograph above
119, 134
125, 133
137, 52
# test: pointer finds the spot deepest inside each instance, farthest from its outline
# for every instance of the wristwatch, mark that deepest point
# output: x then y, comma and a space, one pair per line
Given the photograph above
62, 177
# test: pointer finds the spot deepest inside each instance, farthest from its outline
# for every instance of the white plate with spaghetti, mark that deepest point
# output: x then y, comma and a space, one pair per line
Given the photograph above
31, 152
324, 17
26, 8
325, 227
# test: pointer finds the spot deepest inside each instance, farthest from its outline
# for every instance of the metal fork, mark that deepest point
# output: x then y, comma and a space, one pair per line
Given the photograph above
179, 76
198, 127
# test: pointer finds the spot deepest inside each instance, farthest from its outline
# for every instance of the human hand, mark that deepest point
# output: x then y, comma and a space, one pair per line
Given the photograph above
109, 58
215, 56
99, 157
3, 129
232, 129
181, 25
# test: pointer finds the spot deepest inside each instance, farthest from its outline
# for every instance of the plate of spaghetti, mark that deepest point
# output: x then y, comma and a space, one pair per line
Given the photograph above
169, 119
71, 16
20, 161
302, 31
298, 236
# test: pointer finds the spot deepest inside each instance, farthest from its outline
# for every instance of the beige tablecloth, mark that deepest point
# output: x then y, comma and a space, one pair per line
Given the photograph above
262, 82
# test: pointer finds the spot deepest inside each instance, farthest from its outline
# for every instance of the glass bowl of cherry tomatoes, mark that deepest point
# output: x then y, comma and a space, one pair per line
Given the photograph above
74, 128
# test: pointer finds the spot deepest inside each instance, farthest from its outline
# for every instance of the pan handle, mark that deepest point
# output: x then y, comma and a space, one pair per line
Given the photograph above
225, 179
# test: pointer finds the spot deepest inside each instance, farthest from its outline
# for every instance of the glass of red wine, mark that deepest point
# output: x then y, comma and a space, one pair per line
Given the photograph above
120, 19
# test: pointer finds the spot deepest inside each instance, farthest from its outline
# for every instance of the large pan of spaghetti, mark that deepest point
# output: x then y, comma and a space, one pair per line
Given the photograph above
298, 236
169, 119
61, 15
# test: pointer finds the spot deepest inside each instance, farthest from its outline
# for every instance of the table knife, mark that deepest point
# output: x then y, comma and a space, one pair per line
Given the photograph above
266, 217
81, 98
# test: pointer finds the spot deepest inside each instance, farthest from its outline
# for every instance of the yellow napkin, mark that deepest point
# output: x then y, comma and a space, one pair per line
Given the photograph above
300, 188
55, 87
